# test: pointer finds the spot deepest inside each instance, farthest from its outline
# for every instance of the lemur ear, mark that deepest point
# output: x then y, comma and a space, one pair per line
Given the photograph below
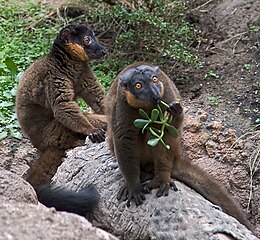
126, 76
66, 32
63, 35
156, 69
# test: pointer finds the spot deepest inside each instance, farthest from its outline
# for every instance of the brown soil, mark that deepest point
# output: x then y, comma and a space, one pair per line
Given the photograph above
224, 139
218, 135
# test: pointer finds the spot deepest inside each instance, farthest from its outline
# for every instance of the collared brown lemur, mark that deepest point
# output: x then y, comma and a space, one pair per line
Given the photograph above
51, 118
142, 85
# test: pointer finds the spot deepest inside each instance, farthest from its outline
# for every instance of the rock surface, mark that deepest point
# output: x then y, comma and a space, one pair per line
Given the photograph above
14, 188
20, 221
181, 215
23, 218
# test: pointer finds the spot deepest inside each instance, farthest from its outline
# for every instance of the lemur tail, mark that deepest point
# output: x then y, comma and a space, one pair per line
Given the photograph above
209, 188
39, 176
82, 202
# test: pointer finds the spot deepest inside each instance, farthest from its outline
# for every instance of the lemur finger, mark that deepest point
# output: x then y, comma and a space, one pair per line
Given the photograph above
175, 108
98, 136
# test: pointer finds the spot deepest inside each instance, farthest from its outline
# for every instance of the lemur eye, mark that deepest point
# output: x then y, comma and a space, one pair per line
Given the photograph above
138, 86
87, 40
155, 79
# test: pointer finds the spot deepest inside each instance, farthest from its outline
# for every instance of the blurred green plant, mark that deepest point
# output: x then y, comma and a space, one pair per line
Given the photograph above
212, 74
213, 101
144, 30
255, 28
248, 66
25, 34
8, 122
107, 70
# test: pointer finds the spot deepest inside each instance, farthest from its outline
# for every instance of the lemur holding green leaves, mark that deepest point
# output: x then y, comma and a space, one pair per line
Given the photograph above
51, 118
143, 86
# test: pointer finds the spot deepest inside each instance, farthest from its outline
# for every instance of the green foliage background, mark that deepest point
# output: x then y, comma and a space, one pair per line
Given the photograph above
24, 36
150, 30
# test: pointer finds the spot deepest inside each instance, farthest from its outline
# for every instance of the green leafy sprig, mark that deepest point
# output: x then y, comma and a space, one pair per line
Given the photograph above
159, 118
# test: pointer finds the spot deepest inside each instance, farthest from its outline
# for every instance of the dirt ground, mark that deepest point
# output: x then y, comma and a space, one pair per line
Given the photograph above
222, 101
223, 98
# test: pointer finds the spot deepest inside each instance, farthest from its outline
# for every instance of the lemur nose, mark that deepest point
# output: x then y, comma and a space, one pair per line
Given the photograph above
156, 98
103, 52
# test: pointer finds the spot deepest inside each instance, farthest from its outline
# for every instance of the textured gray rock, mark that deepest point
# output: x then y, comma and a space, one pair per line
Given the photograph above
21, 221
181, 215
13, 187
23, 218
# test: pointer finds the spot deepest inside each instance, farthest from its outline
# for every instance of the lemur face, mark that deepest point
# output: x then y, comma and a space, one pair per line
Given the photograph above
80, 42
142, 84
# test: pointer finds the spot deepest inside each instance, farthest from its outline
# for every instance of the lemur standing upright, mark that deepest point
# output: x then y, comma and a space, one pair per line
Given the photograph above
51, 118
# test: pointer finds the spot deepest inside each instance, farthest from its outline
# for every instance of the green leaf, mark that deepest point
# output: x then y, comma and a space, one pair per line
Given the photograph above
7, 94
156, 130
3, 135
155, 114
19, 76
164, 104
153, 142
6, 104
10, 65
13, 91
140, 123
145, 127
160, 112
165, 145
16, 134
170, 118
153, 132
172, 130
2, 71
143, 114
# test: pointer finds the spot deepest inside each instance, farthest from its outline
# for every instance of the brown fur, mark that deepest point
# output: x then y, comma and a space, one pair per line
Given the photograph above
135, 157
77, 51
46, 100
